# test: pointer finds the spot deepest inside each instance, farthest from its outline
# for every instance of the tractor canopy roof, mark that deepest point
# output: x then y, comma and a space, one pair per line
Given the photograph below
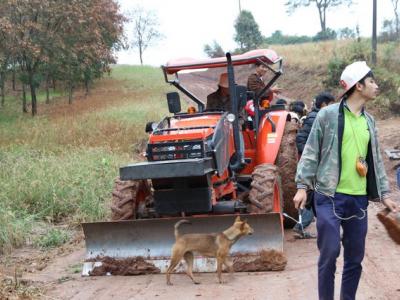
266, 55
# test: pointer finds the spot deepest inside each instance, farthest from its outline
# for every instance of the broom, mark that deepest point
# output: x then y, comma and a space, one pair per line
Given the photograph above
391, 221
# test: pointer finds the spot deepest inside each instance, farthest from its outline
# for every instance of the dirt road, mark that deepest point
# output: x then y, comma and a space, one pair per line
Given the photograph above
298, 281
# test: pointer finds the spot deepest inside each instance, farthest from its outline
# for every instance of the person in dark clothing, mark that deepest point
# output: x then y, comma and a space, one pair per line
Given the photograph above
322, 100
281, 102
298, 106
220, 100
255, 83
307, 215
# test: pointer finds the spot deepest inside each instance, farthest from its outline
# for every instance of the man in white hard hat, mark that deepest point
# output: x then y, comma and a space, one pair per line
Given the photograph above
342, 162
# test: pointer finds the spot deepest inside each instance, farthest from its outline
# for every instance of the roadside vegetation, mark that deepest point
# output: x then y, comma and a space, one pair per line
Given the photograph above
58, 168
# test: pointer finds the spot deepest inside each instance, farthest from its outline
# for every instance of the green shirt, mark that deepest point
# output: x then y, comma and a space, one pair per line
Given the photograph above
355, 144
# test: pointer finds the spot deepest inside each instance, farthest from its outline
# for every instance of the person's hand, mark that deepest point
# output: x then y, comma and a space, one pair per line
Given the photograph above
275, 89
300, 198
390, 204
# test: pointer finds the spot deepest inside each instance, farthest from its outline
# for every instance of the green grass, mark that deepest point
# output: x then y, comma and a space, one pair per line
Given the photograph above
62, 170
54, 237
55, 187
139, 77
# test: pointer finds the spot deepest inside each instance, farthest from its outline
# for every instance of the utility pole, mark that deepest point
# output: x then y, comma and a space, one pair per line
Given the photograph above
374, 40
240, 8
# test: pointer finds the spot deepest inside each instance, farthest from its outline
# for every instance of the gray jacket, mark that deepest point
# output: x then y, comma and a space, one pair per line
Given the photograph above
320, 165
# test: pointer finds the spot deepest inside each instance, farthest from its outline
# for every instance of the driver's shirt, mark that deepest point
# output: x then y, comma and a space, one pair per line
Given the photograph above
218, 101
256, 84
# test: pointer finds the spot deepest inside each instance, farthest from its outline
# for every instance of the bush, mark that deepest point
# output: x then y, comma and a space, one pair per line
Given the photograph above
352, 52
53, 238
388, 84
14, 228
335, 68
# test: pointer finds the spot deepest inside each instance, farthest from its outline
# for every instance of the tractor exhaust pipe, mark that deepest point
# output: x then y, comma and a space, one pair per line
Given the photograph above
239, 155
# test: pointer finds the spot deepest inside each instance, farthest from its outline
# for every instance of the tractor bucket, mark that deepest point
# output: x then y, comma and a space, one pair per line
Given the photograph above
152, 239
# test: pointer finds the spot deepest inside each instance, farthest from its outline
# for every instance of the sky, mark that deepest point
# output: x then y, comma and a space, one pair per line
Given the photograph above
187, 25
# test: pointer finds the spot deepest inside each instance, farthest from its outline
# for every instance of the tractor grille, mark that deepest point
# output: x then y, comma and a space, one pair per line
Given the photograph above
175, 150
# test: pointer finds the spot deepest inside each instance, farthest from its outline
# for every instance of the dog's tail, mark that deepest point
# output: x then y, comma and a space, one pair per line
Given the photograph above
179, 223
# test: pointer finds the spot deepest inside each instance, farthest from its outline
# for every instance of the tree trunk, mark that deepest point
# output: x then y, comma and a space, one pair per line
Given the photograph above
2, 87
86, 87
70, 90
54, 85
47, 90
33, 96
13, 77
322, 16
3, 97
141, 54
24, 107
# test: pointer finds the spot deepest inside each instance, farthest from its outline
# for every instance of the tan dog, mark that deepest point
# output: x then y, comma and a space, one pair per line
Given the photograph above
210, 245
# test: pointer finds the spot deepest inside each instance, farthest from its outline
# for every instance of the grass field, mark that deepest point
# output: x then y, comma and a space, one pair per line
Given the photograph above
59, 167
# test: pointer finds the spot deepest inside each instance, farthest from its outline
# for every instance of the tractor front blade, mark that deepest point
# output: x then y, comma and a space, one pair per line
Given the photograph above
152, 239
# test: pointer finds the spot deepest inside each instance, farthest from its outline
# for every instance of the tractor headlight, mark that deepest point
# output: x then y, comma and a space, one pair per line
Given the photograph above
231, 118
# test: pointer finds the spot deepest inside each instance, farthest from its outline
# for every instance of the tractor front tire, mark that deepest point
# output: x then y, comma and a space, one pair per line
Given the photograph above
287, 165
129, 199
265, 182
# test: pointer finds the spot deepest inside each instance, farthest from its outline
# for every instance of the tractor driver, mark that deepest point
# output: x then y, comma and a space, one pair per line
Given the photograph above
220, 100
255, 83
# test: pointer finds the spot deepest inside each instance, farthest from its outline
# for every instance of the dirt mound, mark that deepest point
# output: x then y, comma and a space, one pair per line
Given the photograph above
269, 260
124, 267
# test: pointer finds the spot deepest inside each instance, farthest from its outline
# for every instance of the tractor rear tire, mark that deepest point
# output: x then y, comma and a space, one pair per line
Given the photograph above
287, 166
129, 199
264, 179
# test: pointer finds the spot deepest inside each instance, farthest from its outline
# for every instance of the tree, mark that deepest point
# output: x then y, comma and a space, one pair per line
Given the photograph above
67, 39
145, 32
388, 31
7, 51
328, 34
346, 33
248, 35
214, 51
279, 38
322, 6
395, 4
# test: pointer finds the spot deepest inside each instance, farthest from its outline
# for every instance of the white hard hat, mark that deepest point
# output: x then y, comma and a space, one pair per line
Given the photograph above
353, 73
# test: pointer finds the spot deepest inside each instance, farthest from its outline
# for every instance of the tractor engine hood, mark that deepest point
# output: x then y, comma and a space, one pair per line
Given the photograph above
205, 135
177, 128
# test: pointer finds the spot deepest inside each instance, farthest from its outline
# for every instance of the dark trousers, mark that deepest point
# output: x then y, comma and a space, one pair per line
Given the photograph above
354, 233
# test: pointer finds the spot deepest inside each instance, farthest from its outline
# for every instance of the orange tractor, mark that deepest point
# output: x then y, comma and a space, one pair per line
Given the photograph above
205, 166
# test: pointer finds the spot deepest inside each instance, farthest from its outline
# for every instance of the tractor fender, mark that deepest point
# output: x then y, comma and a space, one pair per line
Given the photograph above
270, 136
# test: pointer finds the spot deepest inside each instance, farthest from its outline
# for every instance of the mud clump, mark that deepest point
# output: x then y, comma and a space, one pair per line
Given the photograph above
124, 267
391, 222
268, 260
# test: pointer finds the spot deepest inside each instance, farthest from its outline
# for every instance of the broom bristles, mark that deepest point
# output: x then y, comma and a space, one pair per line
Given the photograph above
391, 223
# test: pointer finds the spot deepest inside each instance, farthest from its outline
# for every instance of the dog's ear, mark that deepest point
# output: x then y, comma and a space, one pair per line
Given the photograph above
242, 225
237, 219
